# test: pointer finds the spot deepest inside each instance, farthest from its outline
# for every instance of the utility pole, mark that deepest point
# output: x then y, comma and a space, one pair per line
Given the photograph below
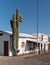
16, 18
37, 26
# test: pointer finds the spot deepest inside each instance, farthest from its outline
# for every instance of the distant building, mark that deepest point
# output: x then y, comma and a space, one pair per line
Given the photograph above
44, 41
27, 43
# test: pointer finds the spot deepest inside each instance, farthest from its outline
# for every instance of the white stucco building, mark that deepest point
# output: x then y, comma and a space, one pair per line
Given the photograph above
27, 43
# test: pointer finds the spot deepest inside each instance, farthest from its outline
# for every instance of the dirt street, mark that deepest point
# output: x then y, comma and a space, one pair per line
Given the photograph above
26, 60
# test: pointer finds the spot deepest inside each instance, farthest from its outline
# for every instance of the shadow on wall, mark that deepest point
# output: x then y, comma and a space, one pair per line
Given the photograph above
30, 46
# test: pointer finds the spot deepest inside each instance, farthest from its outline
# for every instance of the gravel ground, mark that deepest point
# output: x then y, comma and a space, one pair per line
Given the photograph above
26, 60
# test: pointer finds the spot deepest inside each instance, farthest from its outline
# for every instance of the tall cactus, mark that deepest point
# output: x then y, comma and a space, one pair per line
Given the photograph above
16, 18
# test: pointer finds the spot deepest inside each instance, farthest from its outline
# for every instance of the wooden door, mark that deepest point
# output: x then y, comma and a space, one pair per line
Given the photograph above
5, 48
49, 46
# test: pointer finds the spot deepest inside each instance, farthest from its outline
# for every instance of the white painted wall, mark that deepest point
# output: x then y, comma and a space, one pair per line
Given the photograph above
22, 50
25, 49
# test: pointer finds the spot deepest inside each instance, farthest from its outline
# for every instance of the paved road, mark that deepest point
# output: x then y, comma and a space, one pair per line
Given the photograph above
26, 60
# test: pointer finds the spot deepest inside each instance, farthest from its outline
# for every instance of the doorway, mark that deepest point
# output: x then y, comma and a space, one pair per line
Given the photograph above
49, 46
41, 47
5, 48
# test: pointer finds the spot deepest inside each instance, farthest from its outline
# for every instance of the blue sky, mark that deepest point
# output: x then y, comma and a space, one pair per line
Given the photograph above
28, 11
